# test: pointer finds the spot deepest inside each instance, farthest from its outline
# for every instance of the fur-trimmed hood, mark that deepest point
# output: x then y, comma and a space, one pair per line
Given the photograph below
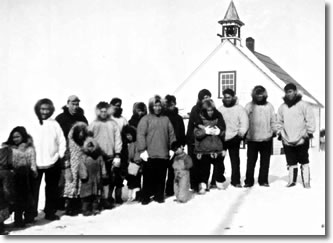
90, 147
98, 113
74, 133
139, 105
255, 91
153, 101
290, 103
234, 101
128, 129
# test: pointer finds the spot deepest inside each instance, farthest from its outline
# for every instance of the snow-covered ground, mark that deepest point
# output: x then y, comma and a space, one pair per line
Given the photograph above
276, 210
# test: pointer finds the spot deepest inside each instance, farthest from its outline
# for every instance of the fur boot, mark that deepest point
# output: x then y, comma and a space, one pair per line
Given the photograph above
293, 171
305, 171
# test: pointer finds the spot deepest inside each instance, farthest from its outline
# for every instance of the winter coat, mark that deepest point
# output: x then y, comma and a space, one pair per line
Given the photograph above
182, 162
25, 170
50, 143
155, 134
121, 121
107, 135
7, 186
76, 156
91, 171
178, 125
262, 122
24, 155
134, 121
295, 121
66, 120
206, 144
236, 120
194, 116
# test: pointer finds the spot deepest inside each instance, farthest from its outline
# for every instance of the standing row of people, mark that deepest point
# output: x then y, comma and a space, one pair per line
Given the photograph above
86, 164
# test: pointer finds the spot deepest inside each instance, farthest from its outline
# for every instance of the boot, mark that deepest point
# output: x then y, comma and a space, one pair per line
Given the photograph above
220, 185
106, 204
136, 194
95, 207
130, 195
305, 171
118, 193
18, 219
202, 188
3, 231
293, 171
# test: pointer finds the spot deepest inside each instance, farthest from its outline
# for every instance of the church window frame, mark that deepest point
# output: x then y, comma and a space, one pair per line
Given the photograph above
226, 79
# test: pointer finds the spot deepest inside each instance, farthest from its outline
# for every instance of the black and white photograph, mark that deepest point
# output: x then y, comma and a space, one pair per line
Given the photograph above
163, 118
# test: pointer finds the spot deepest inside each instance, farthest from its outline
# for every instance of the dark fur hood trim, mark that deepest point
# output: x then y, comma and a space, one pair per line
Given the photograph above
254, 100
290, 103
140, 105
234, 101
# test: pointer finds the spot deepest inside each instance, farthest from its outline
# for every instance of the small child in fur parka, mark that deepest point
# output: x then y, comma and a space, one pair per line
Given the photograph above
92, 172
181, 165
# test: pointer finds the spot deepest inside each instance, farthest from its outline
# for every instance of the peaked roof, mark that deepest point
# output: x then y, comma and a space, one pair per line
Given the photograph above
281, 74
231, 15
258, 60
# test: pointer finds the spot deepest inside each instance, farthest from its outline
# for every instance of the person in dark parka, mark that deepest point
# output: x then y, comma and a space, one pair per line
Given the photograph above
139, 111
72, 113
204, 94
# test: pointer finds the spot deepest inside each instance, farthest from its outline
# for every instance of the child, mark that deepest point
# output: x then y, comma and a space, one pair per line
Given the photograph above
181, 165
134, 163
92, 173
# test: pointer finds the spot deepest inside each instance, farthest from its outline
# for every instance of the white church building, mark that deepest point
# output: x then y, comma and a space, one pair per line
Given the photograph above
233, 65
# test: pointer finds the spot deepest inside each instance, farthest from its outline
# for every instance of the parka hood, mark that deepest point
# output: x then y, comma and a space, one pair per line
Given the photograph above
290, 103
153, 101
262, 90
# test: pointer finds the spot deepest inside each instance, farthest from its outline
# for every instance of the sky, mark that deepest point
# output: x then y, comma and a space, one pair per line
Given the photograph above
134, 49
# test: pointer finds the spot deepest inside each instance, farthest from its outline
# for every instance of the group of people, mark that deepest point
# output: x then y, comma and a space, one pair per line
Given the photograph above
85, 165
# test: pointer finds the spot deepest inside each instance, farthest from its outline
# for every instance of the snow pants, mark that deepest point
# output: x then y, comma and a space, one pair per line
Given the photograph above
232, 146
154, 175
52, 176
253, 149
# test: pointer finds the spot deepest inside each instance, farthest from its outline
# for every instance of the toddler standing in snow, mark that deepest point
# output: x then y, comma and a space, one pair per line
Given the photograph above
92, 172
181, 165
134, 163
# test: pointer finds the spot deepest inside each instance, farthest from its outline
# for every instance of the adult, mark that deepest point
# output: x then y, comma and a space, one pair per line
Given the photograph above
296, 125
116, 112
262, 128
203, 95
155, 137
50, 147
76, 138
177, 122
107, 134
139, 111
25, 170
209, 135
72, 113
237, 124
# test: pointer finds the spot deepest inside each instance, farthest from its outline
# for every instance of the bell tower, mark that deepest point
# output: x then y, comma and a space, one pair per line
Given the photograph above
231, 25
